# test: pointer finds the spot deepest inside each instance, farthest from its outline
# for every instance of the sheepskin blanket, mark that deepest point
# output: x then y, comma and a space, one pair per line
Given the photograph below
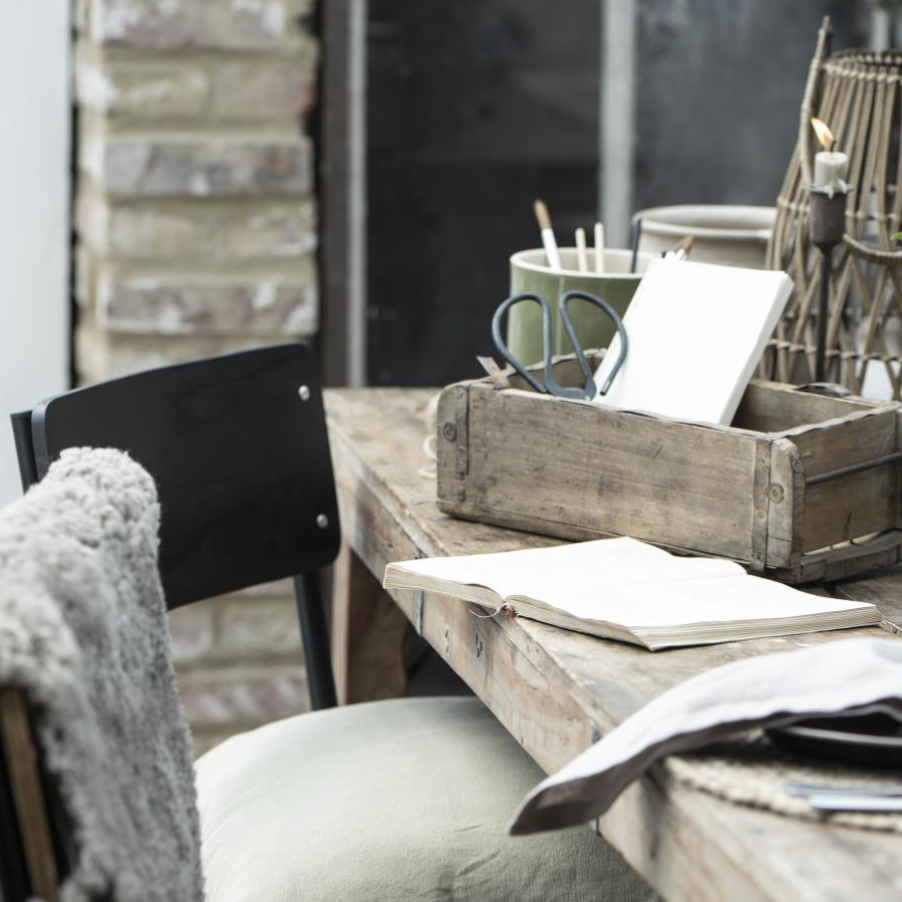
83, 633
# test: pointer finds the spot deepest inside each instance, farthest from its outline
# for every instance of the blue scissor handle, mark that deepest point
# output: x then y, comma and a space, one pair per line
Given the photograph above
574, 341
503, 307
551, 386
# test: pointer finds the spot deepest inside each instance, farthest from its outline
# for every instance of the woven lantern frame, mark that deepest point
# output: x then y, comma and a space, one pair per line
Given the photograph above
859, 95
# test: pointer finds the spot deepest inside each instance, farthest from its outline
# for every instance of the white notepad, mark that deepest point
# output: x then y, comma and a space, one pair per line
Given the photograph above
696, 332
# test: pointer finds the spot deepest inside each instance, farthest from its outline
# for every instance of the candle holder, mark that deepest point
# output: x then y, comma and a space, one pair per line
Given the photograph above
826, 226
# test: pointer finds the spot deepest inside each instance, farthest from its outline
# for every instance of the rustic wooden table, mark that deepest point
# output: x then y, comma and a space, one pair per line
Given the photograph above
558, 691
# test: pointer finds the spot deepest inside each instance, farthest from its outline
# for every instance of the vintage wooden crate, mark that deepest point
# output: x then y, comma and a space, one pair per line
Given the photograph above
804, 486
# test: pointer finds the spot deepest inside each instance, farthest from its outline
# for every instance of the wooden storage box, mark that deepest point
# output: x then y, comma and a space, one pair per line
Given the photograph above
805, 486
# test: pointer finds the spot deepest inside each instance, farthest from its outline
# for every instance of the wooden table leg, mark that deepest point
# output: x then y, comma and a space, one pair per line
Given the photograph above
368, 631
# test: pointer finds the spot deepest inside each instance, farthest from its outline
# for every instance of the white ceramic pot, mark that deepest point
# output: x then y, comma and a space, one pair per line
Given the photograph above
730, 235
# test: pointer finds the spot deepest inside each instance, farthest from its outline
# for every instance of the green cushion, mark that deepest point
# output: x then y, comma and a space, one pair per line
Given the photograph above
403, 800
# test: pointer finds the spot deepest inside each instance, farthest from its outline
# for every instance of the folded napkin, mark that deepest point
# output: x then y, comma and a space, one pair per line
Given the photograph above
848, 676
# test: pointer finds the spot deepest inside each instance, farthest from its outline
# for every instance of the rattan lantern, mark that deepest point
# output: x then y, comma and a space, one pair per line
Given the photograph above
857, 93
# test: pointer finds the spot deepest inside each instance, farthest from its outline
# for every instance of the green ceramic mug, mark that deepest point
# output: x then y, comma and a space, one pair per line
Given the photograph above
531, 275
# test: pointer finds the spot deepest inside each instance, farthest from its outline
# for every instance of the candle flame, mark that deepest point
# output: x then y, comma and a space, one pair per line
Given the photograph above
824, 135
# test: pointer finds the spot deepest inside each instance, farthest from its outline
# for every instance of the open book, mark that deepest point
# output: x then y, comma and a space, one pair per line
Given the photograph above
696, 333
627, 590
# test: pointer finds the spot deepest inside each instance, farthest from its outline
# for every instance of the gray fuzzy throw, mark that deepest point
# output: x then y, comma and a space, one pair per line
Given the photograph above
83, 633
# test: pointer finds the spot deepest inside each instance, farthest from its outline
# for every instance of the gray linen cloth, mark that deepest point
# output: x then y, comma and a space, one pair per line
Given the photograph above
846, 676
83, 633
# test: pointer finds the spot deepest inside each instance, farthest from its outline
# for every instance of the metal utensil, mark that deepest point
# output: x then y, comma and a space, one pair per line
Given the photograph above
870, 803
807, 790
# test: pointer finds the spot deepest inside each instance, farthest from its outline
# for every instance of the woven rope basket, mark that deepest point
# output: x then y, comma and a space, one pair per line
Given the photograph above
857, 93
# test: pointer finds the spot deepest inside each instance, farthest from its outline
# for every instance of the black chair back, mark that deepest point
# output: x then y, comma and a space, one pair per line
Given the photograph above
239, 451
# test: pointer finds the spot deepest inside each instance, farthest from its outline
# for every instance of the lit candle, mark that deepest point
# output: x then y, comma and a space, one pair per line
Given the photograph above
830, 166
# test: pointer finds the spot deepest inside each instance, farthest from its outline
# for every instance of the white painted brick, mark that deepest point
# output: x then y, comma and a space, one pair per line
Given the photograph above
260, 90
143, 90
85, 277
198, 165
266, 230
281, 587
217, 698
101, 354
146, 230
254, 627
167, 232
144, 23
225, 24
194, 230
189, 304
192, 632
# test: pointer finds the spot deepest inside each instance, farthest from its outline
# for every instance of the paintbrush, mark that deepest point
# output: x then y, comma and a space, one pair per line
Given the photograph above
599, 247
634, 243
683, 249
548, 242
582, 259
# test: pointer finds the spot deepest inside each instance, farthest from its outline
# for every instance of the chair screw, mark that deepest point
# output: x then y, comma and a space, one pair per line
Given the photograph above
322, 521
304, 393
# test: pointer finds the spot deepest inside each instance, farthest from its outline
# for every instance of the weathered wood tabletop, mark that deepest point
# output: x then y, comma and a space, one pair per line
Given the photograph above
558, 691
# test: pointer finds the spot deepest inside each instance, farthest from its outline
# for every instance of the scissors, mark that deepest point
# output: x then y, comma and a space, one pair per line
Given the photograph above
590, 390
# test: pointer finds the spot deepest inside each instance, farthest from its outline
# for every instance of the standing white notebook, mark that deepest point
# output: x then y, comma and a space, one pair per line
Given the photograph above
696, 332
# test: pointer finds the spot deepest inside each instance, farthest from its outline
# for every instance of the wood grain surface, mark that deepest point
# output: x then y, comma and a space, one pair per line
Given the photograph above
28, 794
558, 691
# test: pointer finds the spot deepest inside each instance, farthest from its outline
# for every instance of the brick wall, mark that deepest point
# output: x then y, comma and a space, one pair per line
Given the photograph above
196, 235
239, 662
194, 213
